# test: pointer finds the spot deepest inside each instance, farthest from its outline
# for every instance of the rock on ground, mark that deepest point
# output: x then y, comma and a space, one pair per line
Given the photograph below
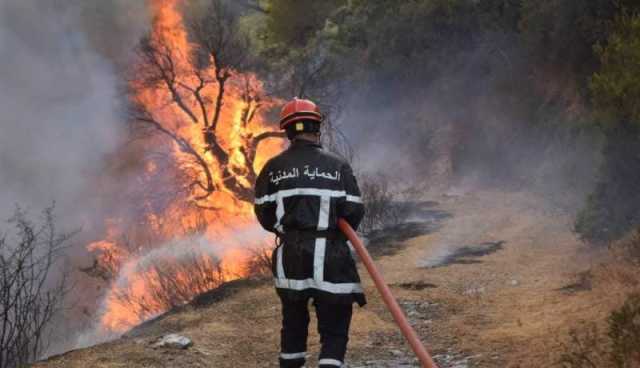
173, 341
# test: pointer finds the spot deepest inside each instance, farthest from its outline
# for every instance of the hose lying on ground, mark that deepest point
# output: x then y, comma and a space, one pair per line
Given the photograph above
387, 296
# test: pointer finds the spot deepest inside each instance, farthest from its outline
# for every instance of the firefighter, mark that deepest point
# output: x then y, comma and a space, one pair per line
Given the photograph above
300, 195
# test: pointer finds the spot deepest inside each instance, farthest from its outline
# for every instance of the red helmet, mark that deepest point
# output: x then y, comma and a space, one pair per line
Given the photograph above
296, 110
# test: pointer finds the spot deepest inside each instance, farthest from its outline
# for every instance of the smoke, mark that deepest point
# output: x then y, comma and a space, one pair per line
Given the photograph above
174, 260
476, 121
60, 110
62, 113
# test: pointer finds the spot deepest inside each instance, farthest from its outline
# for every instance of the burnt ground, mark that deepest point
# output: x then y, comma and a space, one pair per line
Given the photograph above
506, 297
421, 218
584, 282
467, 254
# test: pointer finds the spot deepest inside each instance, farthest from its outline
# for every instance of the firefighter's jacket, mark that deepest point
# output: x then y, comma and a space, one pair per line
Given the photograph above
300, 195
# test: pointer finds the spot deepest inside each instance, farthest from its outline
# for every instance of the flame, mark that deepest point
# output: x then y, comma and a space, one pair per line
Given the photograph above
194, 266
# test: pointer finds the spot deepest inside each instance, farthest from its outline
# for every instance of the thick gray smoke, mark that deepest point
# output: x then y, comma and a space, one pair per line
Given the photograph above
470, 126
60, 109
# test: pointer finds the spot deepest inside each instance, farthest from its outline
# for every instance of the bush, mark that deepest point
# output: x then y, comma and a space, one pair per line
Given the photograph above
382, 207
31, 289
619, 348
585, 349
259, 264
624, 332
616, 86
168, 281
612, 209
628, 248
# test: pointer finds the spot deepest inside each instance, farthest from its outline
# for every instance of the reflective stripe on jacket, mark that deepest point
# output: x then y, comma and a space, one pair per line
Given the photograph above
300, 194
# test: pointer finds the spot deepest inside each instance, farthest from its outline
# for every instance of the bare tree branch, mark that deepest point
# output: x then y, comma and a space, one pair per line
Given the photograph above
199, 90
30, 297
186, 147
160, 60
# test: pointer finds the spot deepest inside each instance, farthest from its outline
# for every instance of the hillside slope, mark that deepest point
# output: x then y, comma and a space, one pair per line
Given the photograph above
497, 285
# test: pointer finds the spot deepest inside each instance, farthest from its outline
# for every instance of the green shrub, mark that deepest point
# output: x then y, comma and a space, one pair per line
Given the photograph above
585, 349
624, 332
611, 210
619, 348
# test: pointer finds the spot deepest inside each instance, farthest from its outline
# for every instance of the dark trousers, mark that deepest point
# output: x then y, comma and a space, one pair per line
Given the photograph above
333, 327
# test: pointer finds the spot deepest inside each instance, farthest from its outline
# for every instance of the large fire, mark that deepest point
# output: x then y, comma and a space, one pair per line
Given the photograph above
189, 244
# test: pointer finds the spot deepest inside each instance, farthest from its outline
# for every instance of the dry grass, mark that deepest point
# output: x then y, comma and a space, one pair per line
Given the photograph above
508, 310
614, 340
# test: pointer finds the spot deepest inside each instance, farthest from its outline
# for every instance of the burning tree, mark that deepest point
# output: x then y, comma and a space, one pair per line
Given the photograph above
201, 125
189, 89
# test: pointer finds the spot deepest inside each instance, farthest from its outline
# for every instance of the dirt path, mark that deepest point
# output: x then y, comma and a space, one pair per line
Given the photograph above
484, 290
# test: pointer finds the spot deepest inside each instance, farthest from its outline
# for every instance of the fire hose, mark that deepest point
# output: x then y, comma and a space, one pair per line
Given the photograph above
401, 320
